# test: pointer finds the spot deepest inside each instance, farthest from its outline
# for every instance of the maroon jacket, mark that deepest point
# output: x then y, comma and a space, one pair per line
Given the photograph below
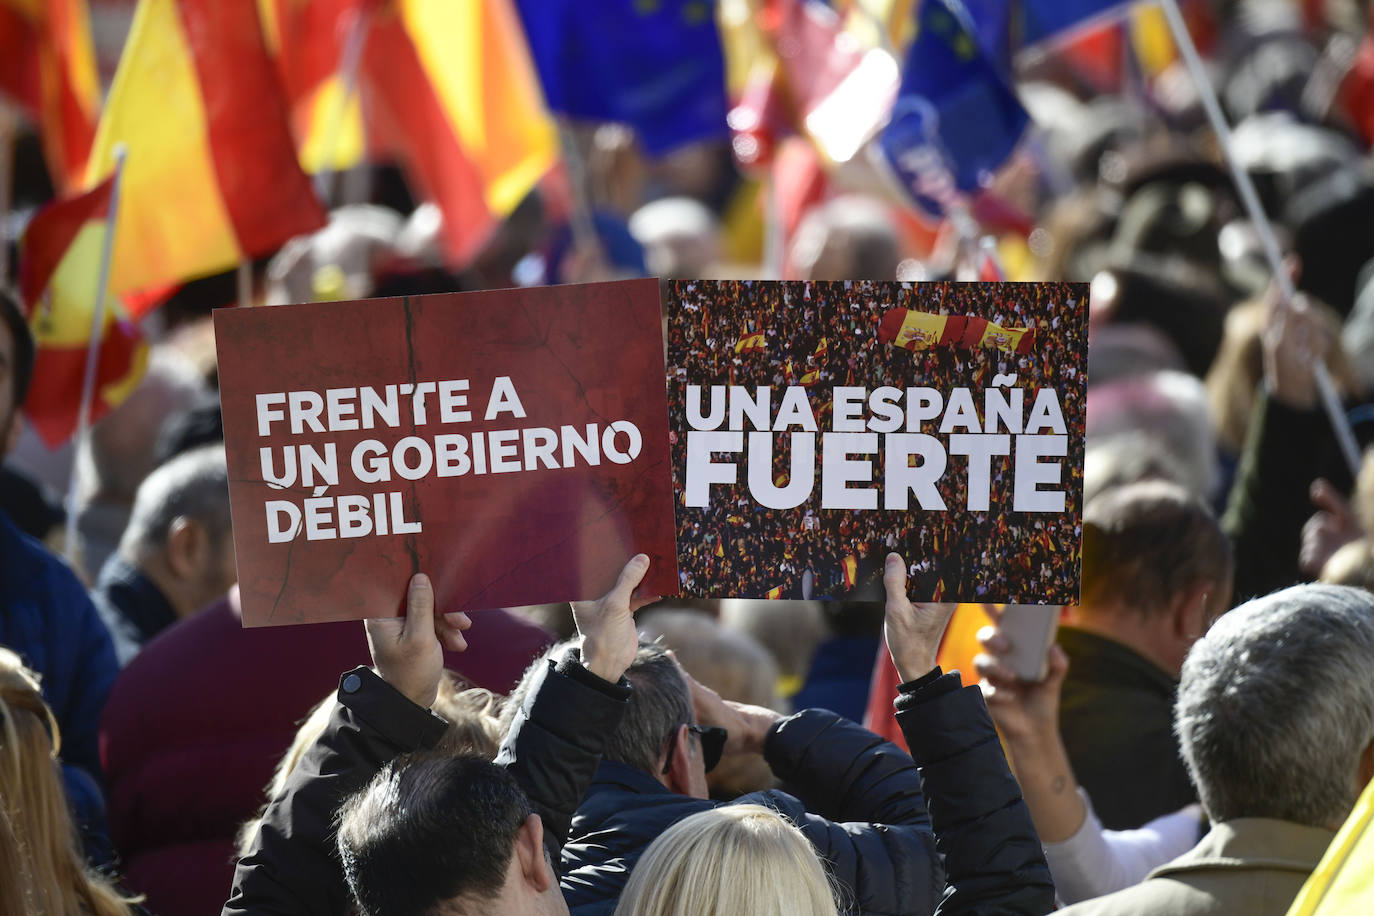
196, 723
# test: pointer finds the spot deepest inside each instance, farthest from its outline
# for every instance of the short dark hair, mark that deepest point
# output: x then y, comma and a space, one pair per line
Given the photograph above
23, 346
427, 829
660, 704
1146, 543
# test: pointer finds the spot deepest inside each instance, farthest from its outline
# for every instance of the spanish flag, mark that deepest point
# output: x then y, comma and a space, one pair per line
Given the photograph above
751, 343
913, 330
211, 177
720, 547
810, 378
47, 67
452, 84
850, 565
822, 348
1343, 881
57, 281
774, 593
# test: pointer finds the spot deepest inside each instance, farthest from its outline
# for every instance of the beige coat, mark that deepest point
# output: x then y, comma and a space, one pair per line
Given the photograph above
1245, 867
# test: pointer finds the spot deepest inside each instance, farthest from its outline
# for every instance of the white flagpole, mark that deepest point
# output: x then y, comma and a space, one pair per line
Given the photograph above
350, 60
83, 416
1250, 198
244, 276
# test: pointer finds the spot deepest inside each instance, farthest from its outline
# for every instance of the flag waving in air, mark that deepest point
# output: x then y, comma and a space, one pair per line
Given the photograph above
913, 330
751, 343
58, 272
47, 66
212, 177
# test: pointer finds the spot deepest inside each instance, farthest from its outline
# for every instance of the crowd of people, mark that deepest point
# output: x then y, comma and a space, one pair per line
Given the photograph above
1204, 723
821, 335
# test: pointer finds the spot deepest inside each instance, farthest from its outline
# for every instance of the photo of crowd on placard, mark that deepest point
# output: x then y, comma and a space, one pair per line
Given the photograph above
822, 335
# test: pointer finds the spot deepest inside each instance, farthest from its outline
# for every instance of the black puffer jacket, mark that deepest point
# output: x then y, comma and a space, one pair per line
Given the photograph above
859, 800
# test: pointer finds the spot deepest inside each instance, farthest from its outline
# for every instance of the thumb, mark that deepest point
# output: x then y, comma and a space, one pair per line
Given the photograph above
1326, 497
894, 578
630, 577
419, 607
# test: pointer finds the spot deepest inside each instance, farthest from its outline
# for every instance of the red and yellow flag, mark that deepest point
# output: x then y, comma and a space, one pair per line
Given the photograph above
751, 343
57, 281
913, 330
850, 565
211, 177
47, 66
452, 82
774, 593
810, 378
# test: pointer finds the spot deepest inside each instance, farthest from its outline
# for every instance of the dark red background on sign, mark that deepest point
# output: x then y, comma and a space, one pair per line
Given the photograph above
576, 355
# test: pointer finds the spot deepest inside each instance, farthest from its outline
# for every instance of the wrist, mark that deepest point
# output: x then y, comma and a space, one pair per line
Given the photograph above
423, 696
912, 667
602, 664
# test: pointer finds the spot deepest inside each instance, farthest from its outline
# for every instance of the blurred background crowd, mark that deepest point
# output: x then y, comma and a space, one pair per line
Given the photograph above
281, 151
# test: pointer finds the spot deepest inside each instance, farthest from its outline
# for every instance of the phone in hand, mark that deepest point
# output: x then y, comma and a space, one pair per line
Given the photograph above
1030, 628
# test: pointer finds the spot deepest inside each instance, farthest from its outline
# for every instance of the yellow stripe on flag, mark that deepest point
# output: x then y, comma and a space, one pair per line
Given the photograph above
320, 128
1343, 881
65, 320
920, 330
475, 55
1003, 338
172, 222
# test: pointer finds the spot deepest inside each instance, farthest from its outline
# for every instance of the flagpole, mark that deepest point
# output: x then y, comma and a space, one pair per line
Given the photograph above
581, 221
1340, 424
244, 276
350, 61
83, 415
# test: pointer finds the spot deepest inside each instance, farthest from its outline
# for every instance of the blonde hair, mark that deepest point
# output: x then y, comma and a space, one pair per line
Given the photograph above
472, 729
52, 876
729, 860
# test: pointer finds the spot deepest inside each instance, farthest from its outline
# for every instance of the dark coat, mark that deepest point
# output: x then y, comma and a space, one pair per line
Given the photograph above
859, 800
552, 749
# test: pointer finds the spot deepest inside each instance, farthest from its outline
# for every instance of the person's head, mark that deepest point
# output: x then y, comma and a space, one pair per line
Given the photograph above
655, 735
734, 665
1156, 569
1275, 710
34, 803
444, 834
179, 533
472, 730
16, 368
733, 859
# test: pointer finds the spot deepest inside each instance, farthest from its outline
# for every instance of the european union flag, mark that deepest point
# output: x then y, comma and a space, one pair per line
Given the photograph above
655, 65
1003, 27
955, 112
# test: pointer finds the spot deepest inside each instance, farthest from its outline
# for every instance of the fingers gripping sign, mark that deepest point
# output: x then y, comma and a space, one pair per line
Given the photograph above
408, 652
913, 631
607, 625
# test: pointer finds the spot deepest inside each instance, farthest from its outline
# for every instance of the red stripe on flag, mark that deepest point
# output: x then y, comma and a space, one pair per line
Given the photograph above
20, 75
974, 329
268, 198
55, 395
891, 325
50, 234
407, 105
1027, 342
953, 331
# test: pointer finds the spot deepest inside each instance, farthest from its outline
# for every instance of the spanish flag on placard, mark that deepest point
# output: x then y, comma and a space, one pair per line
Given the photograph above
774, 593
61, 257
211, 177
752, 343
914, 330
453, 85
47, 66
810, 378
850, 566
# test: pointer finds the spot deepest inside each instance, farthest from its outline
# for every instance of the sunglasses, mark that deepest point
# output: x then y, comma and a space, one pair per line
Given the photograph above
712, 745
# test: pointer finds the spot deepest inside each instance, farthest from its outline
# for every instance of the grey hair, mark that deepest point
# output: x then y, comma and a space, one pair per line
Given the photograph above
659, 704
193, 485
1276, 706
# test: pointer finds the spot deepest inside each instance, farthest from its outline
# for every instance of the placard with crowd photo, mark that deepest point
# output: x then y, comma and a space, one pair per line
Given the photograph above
818, 426
511, 444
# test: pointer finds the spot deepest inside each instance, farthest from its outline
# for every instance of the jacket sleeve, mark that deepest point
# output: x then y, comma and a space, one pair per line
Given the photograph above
91, 667
864, 811
292, 866
555, 742
993, 860
1285, 450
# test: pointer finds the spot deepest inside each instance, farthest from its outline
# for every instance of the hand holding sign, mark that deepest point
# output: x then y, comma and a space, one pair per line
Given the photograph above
408, 652
609, 638
913, 631
1023, 710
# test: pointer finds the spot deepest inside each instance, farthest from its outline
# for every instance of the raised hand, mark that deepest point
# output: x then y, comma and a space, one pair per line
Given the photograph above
408, 652
1023, 710
913, 631
607, 625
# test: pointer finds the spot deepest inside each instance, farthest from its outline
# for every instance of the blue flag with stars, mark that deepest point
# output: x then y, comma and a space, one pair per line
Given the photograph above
655, 65
1004, 27
957, 119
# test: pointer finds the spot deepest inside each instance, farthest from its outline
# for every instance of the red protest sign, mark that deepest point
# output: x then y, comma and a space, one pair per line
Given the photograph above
510, 444
818, 426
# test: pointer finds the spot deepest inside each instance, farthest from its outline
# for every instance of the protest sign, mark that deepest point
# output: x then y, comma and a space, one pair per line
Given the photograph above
511, 444
818, 426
